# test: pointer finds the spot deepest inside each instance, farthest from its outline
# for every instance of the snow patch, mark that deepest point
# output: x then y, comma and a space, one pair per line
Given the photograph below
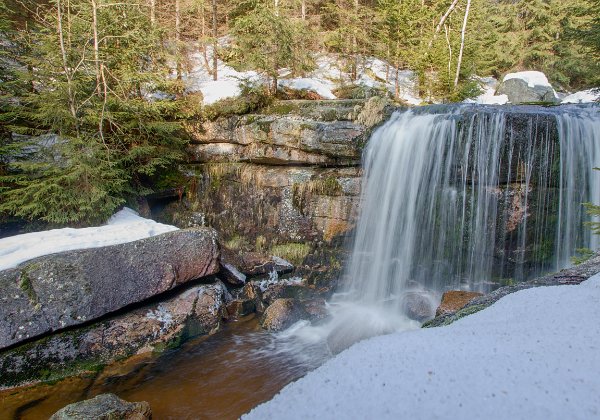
533, 354
583, 97
200, 79
124, 226
322, 87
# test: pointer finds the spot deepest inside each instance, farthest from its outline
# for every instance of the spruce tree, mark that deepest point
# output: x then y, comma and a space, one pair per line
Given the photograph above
267, 41
101, 87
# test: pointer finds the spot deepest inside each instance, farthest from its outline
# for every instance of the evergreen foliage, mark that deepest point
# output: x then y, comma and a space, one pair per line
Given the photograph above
105, 78
267, 41
98, 79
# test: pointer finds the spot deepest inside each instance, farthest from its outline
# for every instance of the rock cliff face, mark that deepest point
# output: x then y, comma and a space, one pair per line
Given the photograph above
285, 182
300, 170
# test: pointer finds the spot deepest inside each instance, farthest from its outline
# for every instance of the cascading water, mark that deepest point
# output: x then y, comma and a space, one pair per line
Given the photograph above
463, 197
472, 196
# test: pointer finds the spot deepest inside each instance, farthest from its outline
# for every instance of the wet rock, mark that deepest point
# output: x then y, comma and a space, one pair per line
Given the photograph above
240, 307
281, 314
232, 275
418, 306
315, 308
104, 407
253, 264
570, 276
196, 311
69, 288
455, 300
286, 289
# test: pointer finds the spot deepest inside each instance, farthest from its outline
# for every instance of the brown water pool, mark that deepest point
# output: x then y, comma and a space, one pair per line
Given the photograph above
222, 376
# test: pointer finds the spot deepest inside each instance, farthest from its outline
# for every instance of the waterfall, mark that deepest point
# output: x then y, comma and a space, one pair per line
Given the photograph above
472, 198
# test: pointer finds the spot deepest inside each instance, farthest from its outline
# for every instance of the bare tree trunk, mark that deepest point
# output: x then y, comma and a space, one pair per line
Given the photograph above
153, 12
96, 45
397, 83
355, 43
215, 39
178, 38
69, 44
462, 42
203, 39
274, 86
447, 32
101, 87
303, 9
442, 21
65, 63
276, 7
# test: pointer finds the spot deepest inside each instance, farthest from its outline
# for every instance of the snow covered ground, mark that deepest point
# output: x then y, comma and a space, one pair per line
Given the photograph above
124, 226
585, 96
327, 76
330, 75
488, 97
534, 354
227, 85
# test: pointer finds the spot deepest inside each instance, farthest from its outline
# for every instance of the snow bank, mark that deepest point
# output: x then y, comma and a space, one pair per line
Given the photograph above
585, 96
321, 87
532, 78
124, 226
534, 354
328, 75
488, 97
199, 79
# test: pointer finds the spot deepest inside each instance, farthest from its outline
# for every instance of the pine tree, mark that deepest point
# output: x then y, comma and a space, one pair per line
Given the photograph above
267, 41
96, 70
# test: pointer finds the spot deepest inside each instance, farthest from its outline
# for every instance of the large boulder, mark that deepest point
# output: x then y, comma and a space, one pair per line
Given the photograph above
57, 291
196, 311
104, 407
527, 86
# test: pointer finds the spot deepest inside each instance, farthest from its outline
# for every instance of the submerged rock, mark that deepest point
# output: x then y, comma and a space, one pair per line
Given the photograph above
104, 407
455, 300
282, 313
56, 291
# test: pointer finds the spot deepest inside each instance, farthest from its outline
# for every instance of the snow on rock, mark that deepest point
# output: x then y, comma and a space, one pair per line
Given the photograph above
533, 354
532, 78
124, 226
320, 86
585, 96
